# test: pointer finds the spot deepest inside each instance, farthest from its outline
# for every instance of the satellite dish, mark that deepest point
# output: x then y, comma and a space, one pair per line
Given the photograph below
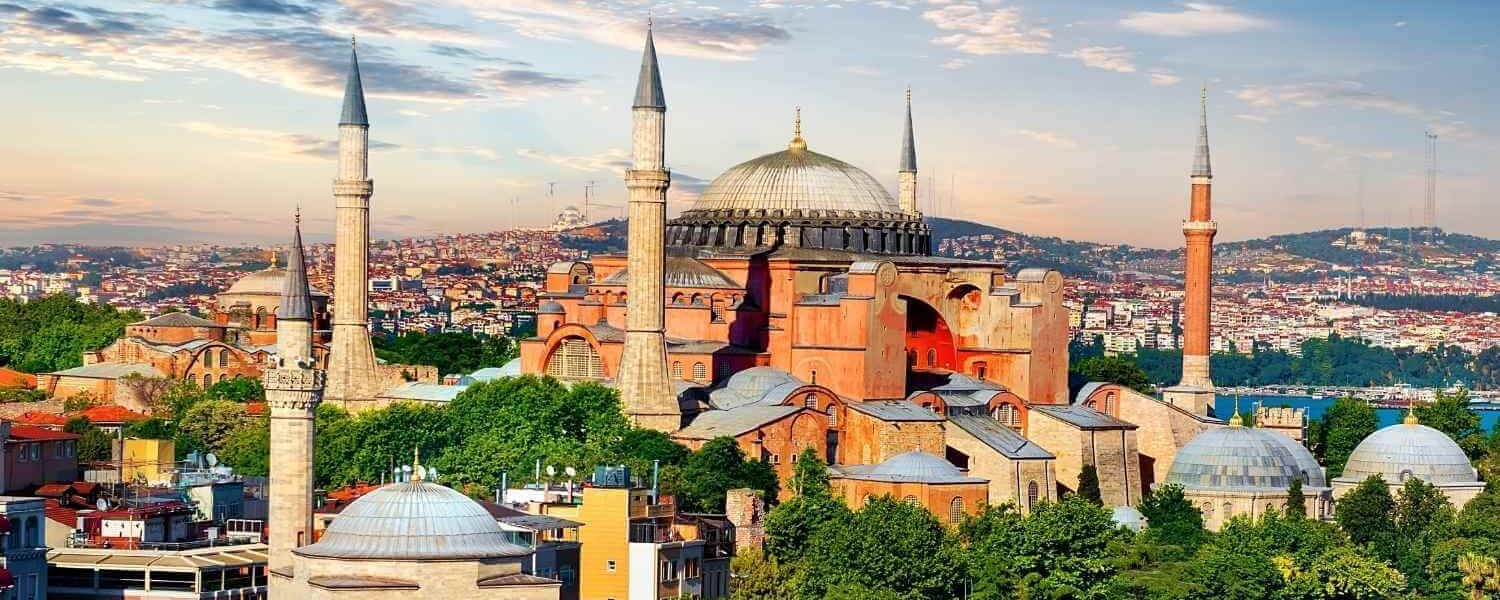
102, 504
571, 472
551, 471
213, 461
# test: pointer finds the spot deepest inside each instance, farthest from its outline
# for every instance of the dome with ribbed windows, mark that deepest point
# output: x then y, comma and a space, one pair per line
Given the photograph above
1406, 450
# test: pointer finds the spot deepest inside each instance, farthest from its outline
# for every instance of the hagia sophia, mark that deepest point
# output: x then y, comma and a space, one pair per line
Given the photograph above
797, 304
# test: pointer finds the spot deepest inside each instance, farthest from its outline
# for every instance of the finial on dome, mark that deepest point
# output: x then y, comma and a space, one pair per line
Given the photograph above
1235, 420
1411, 413
416, 464
797, 142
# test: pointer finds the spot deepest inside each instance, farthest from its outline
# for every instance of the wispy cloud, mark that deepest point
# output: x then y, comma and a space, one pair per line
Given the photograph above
1251, 117
1271, 99
1163, 77
1035, 200
1115, 58
1050, 138
717, 36
984, 30
1323, 145
1194, 19
613, 159
955, 63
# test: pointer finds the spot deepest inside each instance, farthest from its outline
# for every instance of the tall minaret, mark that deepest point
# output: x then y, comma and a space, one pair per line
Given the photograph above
293, 389
645, 391
351, 360
1197, 299
908, 170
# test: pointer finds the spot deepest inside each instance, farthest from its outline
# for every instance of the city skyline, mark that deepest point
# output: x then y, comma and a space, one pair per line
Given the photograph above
209, 121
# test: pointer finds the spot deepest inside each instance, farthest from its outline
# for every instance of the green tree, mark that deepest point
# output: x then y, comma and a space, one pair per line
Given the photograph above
1450, 414
1480, 517
1422, 518
791, 524
1445, 578
51, 333
1365, 512
1172, 518
94, 444
719, 466
248, 448
150, 429
1345, 574
1237, 564
888, 546
1060, 550
1296, 501
757, 576
1113, 369
210, 422
238, 389
1088, 485
1345, 424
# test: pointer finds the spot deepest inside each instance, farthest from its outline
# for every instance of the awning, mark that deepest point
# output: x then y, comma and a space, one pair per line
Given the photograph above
6, 579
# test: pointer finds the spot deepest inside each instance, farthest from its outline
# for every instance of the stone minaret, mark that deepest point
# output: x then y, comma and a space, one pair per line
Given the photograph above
1195, 392
644, 388
908, 170
293, 389
352, 376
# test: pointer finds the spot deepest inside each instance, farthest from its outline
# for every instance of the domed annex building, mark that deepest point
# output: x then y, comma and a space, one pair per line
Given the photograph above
410, 540
1412, 450
248, 308
1247, 471
797, 304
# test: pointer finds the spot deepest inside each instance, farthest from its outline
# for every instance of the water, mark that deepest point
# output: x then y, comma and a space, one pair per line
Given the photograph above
1224, 405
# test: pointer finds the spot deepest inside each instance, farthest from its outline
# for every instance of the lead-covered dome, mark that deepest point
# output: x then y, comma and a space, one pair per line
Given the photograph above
796, 179
1243, 459
1410, 449
798, 198
414, 520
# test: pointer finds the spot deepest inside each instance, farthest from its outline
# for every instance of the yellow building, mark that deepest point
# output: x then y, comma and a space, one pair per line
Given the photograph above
151, 461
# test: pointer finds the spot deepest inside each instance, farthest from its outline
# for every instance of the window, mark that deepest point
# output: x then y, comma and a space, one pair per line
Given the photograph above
223, 357
810, 401
980, 370
575, 358
1207, 510
773, 458
691, 569
36, 452
956, 510
1228, 510
609, 565
1032, 493
932, 357
911, 500
668, 570
1007, 415
208, 359
676, 369
208, 380
700, 371
833, 415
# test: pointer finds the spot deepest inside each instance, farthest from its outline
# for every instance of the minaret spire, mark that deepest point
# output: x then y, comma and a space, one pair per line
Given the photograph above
296, 298
907, 172
648, 92
1201, 166
354, 92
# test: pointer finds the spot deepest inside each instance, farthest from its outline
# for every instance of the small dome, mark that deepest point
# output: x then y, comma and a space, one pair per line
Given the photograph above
550, 308
1410, 450
1243, 459
751, 386
415, 520
796, 179
918, 466
267, 282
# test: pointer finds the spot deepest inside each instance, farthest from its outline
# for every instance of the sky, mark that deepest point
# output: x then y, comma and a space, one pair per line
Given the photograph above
170, 121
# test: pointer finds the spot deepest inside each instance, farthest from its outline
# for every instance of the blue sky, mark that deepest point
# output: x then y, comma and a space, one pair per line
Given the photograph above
210, 120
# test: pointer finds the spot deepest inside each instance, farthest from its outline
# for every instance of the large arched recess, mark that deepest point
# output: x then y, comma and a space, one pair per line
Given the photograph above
929, 341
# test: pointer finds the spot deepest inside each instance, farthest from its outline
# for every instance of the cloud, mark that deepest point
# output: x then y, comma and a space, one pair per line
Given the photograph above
274, 8
62, 64
984, 30
1400, 24
1163, 77
34, 217
1195, 19
1050, 138
1347, 94
955, 63
1115, 58
1255, 118
614, 160
1341, 151
719, 36
1035, 200
515, 84
405, 20
862, 71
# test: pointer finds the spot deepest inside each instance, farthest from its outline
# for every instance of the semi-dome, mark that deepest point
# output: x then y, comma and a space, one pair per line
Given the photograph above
1243, 459
1409, 449
265, 282
414, 520
550, 308
799, 198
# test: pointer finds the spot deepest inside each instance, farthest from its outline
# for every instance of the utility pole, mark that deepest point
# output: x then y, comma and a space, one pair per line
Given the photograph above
1429, 206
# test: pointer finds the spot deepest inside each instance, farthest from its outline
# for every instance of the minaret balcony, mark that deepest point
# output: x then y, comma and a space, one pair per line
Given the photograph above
293, 379
1200, 226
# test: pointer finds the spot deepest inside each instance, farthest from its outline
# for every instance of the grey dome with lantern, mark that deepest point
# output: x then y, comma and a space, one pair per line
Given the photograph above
1410, 449
1244, 459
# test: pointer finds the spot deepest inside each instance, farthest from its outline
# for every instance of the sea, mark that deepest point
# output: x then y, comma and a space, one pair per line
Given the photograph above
1224, 406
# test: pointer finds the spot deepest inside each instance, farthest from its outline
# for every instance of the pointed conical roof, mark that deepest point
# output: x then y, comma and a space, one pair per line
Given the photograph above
354, 94
648, 92
1200, 158
296, 298
908, 142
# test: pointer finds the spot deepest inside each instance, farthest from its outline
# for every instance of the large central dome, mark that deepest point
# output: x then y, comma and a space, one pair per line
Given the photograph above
800, 199
796, 179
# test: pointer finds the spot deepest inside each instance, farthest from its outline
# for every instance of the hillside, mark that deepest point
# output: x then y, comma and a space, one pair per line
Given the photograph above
1287, 256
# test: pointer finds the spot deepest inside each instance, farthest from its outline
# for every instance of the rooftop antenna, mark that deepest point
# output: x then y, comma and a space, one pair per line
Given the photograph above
588, 192
1429, 206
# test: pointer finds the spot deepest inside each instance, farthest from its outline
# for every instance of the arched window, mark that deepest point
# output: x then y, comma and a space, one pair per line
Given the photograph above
956, 510
676, 369
1228, 510
932, 357
574, 358
223, 377
1032, 493
911, 358
911, 500
208, 359
833, 415
700, 371
208, 380
1007, 415
1207, 509
697, 299
981, 369
677, 298
32, 539
810, 400
223, 357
